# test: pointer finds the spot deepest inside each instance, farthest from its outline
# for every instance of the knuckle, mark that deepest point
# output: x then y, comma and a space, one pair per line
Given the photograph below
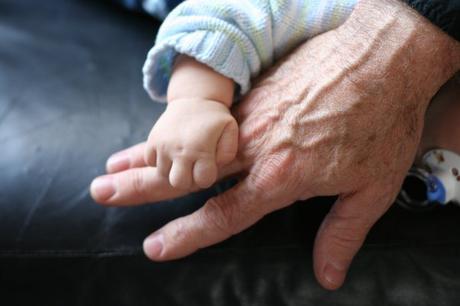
165, 143
180, 231
261, 182
198, 149
162, 146
346, 229
149, 146
221, 217
150, 156
203, 183
230, 122
174, 183
346, 239
205, 177
347, 234
177, 150
179, 183
138, 182
346, 244
276, 172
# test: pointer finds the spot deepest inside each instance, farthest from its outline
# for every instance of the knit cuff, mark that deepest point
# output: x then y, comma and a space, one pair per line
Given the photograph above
214, 49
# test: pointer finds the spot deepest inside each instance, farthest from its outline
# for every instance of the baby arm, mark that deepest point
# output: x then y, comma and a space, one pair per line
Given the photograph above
197, 133
235, 40
238, 39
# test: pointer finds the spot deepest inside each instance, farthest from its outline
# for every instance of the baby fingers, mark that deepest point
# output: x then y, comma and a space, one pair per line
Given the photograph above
181, 174
164, 163
204, 172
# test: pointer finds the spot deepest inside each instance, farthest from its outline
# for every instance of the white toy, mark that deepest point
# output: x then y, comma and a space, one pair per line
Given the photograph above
437, 183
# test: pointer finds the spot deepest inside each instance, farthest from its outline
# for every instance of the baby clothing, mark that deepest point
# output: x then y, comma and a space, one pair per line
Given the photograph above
236, 38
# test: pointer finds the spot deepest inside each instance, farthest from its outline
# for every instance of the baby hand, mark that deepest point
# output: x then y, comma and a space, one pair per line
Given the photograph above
192, 138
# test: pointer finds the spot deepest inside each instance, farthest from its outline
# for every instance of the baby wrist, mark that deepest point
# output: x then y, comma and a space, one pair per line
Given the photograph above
194, 80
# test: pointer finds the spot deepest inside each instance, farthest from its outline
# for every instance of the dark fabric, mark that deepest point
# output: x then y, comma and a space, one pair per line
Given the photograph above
443, 13
131, 4
70, 95
404, 274
137, 4
173, 3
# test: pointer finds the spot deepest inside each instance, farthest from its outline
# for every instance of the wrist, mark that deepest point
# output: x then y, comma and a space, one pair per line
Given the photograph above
200, 103
404, 42
198, 106
192, 80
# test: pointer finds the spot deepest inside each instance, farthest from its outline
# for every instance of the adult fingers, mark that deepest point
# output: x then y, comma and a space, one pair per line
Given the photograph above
141, 185
133, 186
221, 217
343, 232
132, 157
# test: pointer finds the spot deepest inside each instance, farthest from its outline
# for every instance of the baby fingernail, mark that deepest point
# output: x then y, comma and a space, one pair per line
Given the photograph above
102, 188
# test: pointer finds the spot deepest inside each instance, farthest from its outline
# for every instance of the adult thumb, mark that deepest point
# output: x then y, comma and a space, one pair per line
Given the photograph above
343, 232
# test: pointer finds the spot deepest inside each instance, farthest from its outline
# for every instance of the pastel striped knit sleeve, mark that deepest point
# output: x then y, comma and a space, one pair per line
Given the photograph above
237, 38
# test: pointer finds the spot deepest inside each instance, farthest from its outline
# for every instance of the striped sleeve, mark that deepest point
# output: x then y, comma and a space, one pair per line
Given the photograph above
237, 38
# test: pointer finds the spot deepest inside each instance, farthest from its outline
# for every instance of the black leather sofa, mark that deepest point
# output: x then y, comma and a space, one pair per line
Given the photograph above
70, 95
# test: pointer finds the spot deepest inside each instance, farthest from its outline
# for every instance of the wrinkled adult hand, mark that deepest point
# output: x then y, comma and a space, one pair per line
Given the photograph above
342, 115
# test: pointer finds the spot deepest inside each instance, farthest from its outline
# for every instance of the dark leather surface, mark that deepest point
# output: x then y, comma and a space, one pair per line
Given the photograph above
70, 95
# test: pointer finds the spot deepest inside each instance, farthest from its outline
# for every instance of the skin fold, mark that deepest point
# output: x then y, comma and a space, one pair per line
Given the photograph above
342, 115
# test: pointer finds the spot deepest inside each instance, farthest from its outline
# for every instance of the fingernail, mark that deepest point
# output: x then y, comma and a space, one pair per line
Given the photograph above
102, 188
153, 246
117, 162
334, 275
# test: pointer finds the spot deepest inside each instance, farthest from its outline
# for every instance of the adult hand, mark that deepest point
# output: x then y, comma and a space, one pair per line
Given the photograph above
342, 115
